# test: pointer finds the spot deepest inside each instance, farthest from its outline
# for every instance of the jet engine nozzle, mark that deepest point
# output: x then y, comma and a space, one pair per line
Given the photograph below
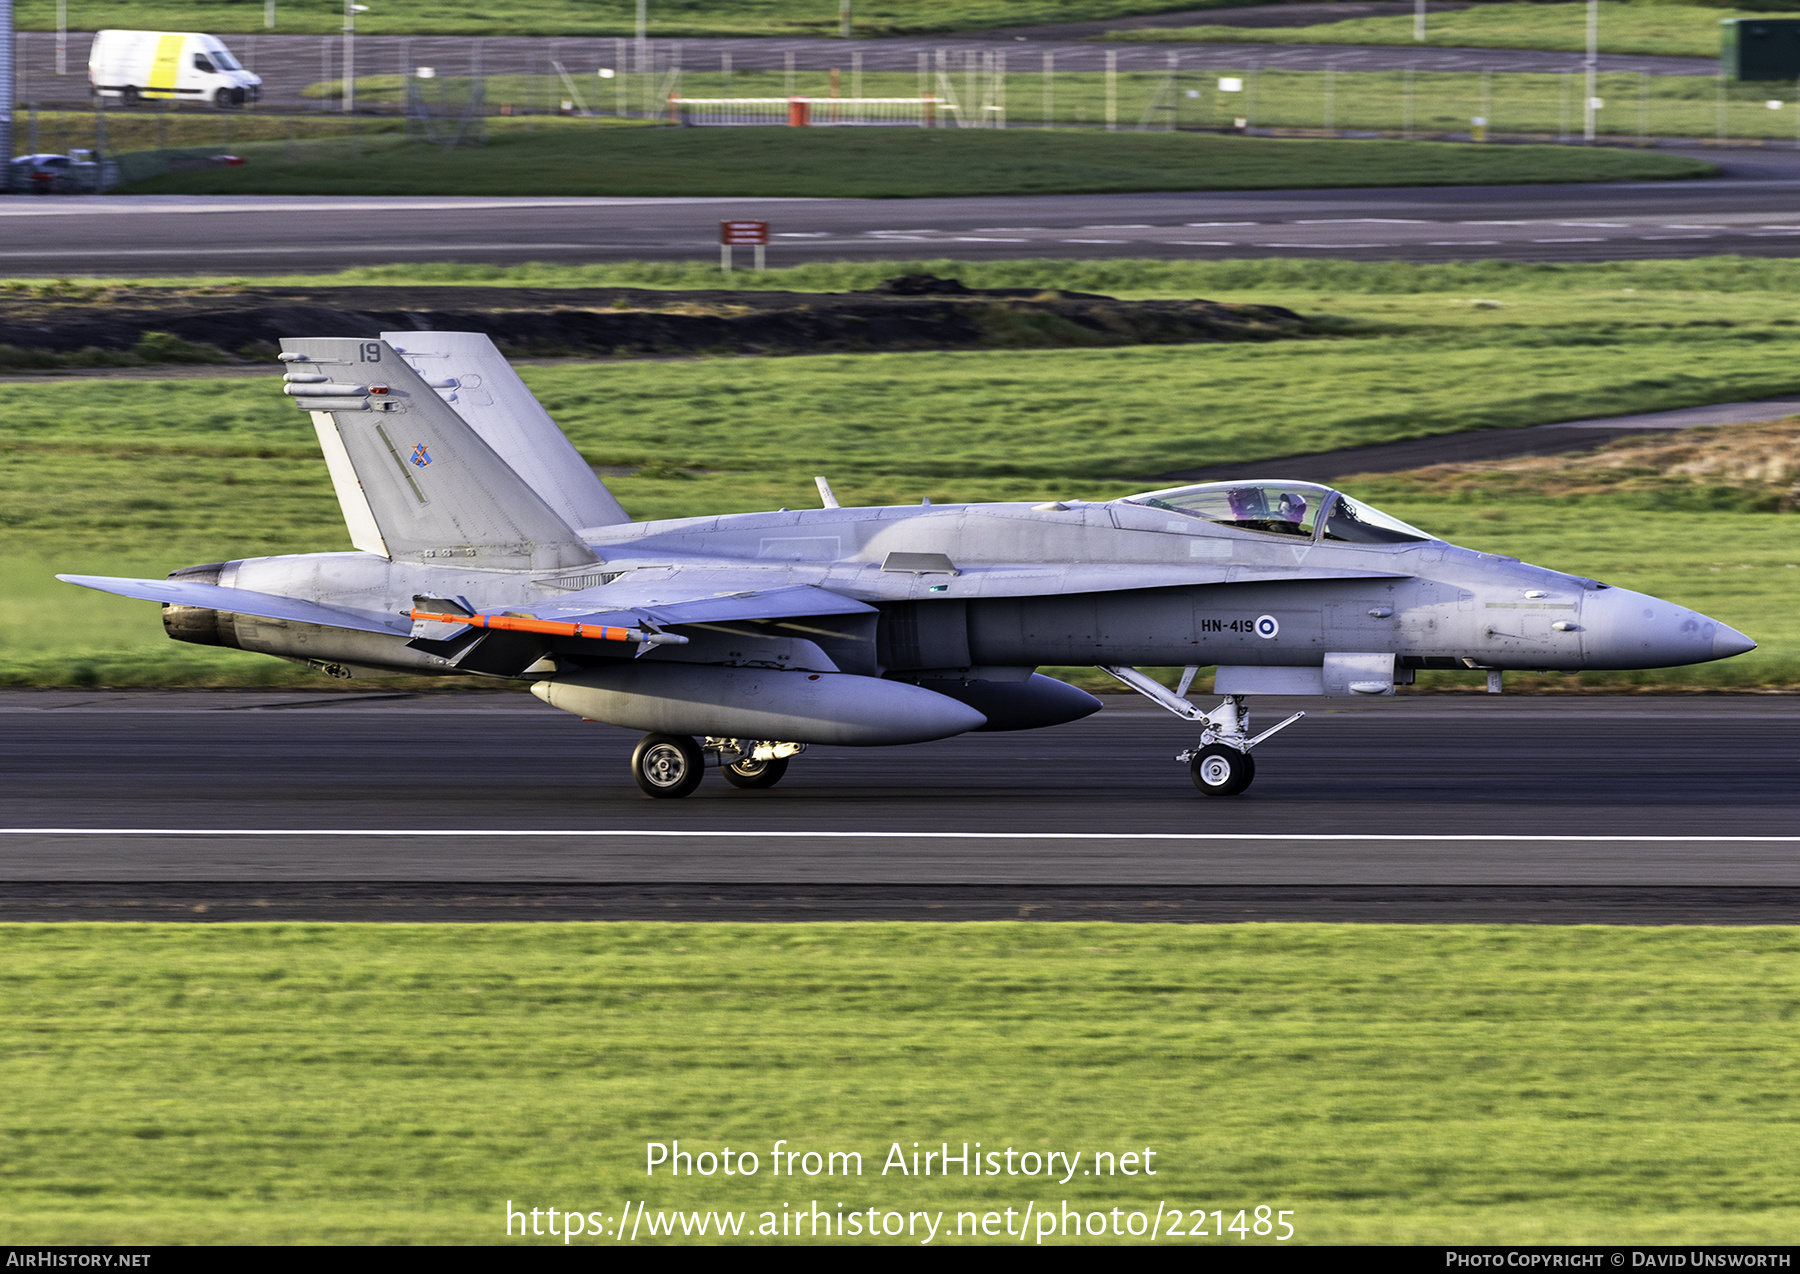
759, 703
1623, 629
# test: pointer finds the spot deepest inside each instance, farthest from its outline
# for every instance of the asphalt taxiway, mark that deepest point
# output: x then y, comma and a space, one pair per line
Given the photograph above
1752, 212
237, 805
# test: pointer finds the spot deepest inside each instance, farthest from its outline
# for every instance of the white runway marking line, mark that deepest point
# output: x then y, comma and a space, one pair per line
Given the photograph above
465, 833
140, 205
304, 250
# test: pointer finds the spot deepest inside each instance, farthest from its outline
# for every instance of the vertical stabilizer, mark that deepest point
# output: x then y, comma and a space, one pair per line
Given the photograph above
475, 379
414, 479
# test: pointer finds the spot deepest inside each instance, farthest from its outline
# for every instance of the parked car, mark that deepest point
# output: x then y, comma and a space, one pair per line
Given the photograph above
53, 174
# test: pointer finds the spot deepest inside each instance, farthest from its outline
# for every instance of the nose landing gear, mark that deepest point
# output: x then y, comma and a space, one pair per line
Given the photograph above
1222, 764
1219, 769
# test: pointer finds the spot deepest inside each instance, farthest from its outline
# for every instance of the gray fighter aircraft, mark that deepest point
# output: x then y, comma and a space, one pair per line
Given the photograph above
486, 547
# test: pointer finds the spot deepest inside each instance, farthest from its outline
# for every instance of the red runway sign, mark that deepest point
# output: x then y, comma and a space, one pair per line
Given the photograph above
745, 234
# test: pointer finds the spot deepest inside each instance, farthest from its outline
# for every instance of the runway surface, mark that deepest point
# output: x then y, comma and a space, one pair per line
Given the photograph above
129, 805
1754, 213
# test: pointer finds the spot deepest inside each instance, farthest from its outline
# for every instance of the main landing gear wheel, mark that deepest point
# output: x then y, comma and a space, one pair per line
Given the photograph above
667, 766
1219, 770
755, 773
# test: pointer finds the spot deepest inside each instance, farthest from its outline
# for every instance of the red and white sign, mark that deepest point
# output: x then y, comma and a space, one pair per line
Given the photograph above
744, 234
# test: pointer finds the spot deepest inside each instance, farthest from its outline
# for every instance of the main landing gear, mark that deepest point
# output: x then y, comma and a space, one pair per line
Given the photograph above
1222, 764
670, 766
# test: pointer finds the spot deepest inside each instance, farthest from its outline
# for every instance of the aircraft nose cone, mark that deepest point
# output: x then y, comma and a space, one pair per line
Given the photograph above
1634, 630
1729, 641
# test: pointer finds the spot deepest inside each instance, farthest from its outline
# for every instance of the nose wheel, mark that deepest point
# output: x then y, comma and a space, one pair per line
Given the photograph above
1221, 765
1220, 770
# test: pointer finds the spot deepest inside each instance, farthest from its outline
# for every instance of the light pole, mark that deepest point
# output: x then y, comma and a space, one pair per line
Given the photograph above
844, 19
1418, 19
643, 33
350, 12
1593, 69
6, 86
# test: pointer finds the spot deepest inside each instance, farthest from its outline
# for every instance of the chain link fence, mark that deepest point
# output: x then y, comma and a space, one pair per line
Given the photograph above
450, 100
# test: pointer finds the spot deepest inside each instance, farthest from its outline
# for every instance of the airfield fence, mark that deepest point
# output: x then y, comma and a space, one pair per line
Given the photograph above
731, 112
616, 82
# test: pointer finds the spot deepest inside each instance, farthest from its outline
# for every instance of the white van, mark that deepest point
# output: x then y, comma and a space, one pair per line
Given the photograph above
136, 65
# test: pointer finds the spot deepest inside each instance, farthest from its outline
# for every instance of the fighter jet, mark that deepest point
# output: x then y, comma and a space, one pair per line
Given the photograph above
486, 547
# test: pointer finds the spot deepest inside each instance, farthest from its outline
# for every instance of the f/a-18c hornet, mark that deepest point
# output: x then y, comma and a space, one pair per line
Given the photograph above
486, 547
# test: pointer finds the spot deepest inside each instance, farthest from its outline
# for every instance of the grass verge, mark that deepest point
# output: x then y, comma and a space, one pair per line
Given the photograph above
1429, 1084
588, 17
1441, 290
575, 159
1673, 30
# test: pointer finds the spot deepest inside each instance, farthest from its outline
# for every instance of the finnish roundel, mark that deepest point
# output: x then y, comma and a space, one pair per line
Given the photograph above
1267, 626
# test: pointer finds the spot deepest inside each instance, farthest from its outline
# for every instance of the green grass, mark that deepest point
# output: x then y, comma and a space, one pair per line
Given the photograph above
1743, 568
897, 163
398, 1084
142, 477
1675, 30
1441, 292
668, 18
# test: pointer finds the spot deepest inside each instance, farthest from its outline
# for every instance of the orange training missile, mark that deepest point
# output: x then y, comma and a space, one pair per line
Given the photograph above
522, 624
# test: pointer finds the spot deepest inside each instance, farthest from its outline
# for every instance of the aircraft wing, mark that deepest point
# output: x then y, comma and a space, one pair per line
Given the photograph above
243, 601
697, 597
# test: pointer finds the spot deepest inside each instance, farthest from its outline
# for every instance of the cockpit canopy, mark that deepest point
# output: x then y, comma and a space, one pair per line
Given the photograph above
1283, 508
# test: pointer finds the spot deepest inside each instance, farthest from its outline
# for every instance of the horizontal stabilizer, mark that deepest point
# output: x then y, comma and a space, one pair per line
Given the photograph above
243, 601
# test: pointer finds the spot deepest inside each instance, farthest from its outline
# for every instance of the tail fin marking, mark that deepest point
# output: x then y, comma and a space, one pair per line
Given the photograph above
421, 482
482, 388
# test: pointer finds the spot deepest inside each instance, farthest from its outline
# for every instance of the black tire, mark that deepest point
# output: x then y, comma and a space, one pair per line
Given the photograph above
129, 95
667, 766
1218, 770
755, 773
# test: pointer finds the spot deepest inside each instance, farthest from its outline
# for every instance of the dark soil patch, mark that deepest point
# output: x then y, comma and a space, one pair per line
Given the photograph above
913, 313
